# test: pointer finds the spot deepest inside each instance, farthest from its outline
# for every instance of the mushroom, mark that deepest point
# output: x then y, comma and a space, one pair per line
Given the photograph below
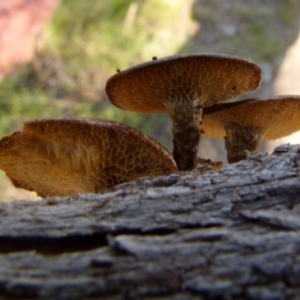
181, 86
59, 157
245, 125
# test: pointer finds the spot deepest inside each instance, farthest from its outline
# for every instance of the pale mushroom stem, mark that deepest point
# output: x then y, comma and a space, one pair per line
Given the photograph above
241, 141
186, 118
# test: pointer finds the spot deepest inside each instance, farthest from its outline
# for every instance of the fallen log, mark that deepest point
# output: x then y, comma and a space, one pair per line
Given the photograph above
231, 234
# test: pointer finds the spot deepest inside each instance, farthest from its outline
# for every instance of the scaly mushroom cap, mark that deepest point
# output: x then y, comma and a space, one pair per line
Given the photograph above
146, 88
274, 118
59, 157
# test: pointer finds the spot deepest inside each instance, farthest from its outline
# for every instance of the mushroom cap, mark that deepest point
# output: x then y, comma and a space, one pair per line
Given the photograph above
182, 78
59, 157
275, 117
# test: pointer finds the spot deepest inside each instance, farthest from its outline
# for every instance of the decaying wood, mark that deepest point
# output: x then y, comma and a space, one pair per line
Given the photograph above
232, 234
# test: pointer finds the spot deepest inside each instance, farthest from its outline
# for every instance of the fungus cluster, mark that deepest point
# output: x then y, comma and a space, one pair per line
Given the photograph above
59, 157
182, 86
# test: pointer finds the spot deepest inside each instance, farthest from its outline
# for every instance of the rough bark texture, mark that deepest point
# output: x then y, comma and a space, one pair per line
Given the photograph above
232, 234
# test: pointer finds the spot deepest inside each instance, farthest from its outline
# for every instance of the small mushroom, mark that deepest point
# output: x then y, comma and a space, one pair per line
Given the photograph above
245, 125
181, 86
59, 157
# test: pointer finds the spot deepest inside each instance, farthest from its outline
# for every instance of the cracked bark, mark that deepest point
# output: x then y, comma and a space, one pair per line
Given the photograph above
232, 234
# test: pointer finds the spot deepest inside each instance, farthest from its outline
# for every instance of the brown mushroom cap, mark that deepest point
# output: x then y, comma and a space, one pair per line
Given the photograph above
275, 117
59, 157
182, 78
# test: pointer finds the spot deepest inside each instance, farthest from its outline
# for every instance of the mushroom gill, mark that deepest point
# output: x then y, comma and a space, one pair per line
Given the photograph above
59, 157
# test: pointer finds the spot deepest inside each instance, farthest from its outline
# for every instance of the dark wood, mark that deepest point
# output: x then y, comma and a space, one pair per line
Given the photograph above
232, 234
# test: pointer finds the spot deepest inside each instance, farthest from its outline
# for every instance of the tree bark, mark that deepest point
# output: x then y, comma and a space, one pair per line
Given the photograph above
232, 234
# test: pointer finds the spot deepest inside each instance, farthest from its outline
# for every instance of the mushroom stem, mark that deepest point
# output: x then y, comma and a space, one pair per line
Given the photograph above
241, 141
186, 118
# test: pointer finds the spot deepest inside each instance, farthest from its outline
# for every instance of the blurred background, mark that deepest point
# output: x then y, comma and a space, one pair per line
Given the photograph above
56, 56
